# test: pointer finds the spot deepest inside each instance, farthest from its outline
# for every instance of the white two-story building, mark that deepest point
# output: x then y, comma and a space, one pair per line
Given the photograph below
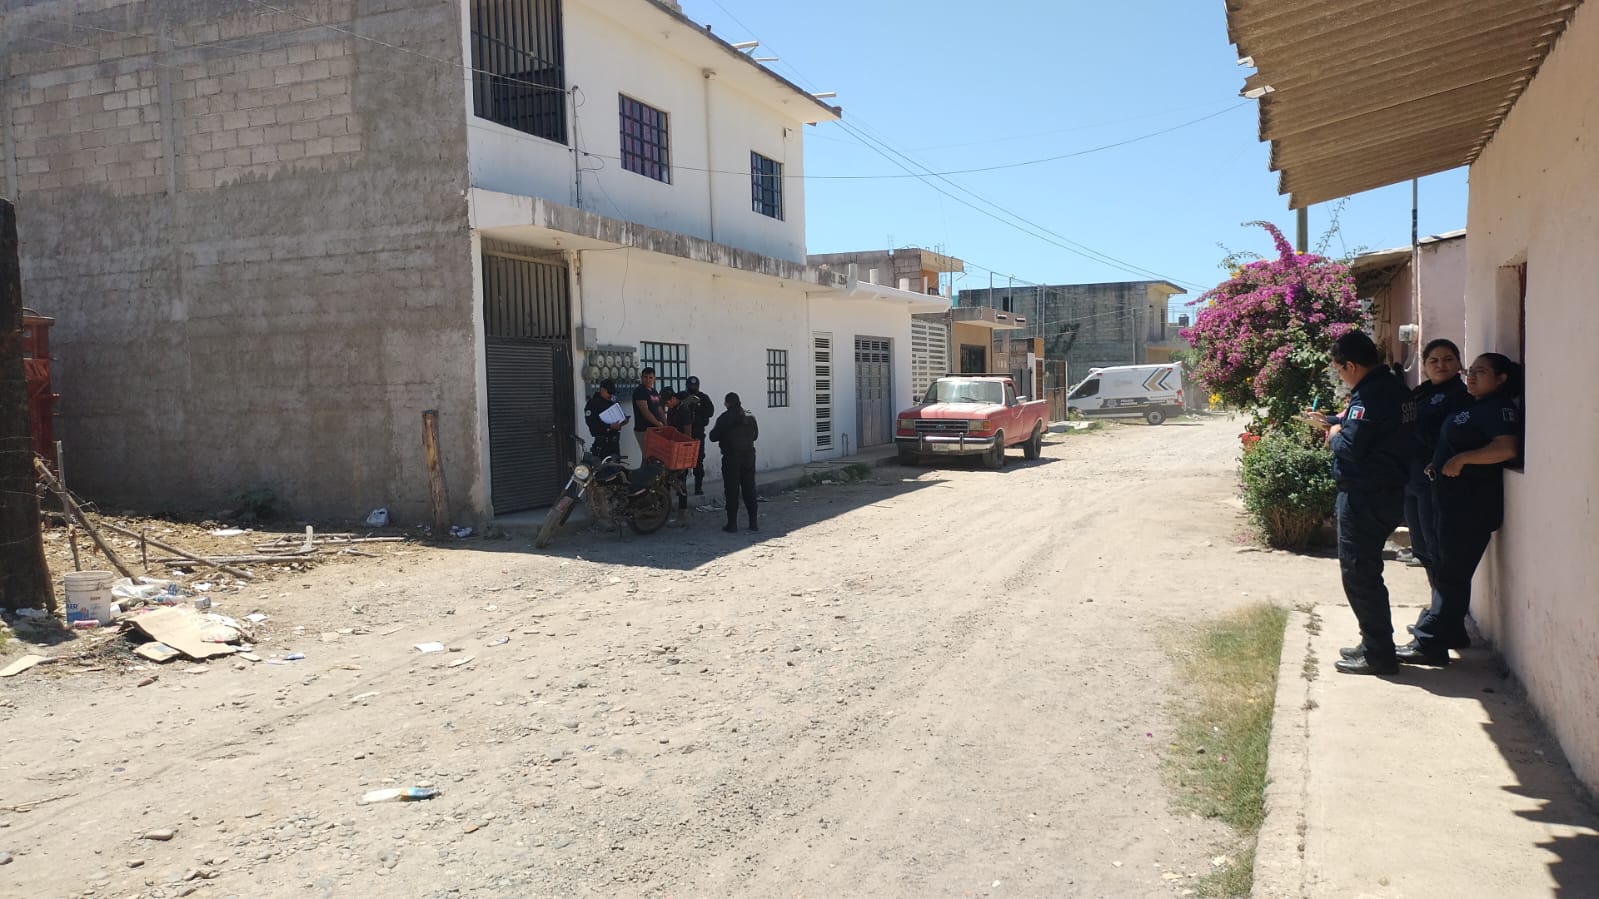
273, 234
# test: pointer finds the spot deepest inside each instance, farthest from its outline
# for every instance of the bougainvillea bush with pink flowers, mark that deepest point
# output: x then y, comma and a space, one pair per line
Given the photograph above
1262, 335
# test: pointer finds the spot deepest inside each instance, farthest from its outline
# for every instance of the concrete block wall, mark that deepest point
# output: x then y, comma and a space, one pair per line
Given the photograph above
250, 226
1110, 320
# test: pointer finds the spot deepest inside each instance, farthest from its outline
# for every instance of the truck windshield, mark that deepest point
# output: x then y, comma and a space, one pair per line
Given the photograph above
965, 390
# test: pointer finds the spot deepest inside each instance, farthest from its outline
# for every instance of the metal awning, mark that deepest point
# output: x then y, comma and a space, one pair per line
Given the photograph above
1359, 94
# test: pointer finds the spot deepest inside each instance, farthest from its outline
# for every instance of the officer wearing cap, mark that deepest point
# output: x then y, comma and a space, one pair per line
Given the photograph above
703, 412
607, 438
1371, 449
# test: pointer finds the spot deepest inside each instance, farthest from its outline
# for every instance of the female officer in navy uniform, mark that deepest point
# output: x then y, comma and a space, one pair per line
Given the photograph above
1468, 490
1437, 399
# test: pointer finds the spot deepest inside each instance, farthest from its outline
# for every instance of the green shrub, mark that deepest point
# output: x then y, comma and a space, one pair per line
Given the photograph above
1288, 485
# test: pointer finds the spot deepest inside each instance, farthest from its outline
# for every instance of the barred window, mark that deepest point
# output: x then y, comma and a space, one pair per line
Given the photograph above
766, 185
670, 361
644, 139
776, 378
518, 71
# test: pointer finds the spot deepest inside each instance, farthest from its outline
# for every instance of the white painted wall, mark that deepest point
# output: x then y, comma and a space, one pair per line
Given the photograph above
1533, 195
1443, 290
848, 318
714, 123
728, 323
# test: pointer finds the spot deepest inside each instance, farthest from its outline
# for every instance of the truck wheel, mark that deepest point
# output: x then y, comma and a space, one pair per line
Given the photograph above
907, 456
1034, 447
995, 458
1155, 416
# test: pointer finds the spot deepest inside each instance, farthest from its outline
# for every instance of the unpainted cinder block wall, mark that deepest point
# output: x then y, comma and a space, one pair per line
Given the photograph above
250, 227
1091, 325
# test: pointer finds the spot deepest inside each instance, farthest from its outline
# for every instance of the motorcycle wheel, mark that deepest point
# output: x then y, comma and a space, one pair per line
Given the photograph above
553, 520
651, 512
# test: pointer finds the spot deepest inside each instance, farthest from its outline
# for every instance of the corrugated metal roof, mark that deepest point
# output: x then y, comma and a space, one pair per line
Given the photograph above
1359, 94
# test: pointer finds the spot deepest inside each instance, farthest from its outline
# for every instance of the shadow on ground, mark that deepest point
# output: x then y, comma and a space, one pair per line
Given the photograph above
780, 515
1541, 771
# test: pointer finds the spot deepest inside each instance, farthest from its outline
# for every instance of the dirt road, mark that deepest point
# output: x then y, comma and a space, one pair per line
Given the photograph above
931, 683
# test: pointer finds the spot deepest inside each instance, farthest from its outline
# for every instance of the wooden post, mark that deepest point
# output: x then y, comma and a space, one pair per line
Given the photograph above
24, 574
72, 510
72, 540
436, 489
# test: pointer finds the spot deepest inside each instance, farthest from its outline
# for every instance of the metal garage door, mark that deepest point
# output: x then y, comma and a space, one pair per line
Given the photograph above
874, 390
527, 324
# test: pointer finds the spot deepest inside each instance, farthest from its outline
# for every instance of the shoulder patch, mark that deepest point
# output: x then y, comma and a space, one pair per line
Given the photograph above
1437, 398
1355, 413
1462, 417
1508, 413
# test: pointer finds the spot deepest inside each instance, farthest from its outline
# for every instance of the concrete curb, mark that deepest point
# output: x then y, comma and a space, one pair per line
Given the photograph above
1279, 847
787, 479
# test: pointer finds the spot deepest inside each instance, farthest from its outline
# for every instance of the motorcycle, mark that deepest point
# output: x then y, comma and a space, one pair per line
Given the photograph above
641, 497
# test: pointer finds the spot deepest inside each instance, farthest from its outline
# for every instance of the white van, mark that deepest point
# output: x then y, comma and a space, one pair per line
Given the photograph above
1150, 392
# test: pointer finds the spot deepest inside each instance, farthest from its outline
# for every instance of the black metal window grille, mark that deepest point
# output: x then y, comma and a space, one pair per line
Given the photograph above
644, 146
776, 378
670, 361
766, 185
519, 73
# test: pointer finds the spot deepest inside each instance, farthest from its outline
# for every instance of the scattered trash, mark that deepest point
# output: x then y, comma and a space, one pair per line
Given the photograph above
228, 532
459, 662
84, 624
22, 664
32, 613
460, 532
147, 681
499, 641
294, 657
430, 647
249, 657
255, 618
202, 603
203, 586
363, 697
378, 519
399, 794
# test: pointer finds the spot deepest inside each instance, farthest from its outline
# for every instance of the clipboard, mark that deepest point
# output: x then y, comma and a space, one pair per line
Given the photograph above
613, 415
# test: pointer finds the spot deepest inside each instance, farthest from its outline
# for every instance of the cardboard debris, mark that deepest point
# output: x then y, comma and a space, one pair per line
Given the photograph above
156, 651
22, 664
187, 632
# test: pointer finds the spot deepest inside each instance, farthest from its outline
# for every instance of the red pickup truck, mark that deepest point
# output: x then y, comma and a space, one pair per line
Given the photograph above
971, 415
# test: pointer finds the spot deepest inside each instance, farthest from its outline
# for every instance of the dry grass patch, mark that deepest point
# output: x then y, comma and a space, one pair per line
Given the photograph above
1218, 761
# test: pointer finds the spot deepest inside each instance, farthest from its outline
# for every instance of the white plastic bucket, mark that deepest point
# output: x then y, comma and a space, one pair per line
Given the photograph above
88, 595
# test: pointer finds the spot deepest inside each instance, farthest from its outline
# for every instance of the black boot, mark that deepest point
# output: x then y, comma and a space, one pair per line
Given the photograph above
732, 525
699, 486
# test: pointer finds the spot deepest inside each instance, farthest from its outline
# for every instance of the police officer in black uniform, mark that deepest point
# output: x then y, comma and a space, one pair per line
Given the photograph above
1468, 488
607, 438
1437, 399
703, 410
1371, 448
736, 432
683, 413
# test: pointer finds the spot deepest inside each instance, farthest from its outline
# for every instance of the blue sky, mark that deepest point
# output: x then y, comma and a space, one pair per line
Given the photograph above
957, 86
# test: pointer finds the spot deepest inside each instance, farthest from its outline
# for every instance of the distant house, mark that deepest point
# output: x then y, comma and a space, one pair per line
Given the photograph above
272, 235
1434, 301
1518, 103
1088, 326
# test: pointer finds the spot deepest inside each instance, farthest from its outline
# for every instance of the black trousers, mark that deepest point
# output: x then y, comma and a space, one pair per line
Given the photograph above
1421, 514
606, 443
738, 480
699, 465
1467, 516
1365, 519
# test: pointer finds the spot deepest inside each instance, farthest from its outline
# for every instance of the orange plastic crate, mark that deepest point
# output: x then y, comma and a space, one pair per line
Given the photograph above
675, 449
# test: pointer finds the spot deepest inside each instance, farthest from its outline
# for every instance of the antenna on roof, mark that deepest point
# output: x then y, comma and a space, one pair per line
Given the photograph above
746, 45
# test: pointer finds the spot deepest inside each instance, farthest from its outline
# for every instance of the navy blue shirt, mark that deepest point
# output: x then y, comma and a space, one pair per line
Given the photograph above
1435, 404
1372, 450
1473, 428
